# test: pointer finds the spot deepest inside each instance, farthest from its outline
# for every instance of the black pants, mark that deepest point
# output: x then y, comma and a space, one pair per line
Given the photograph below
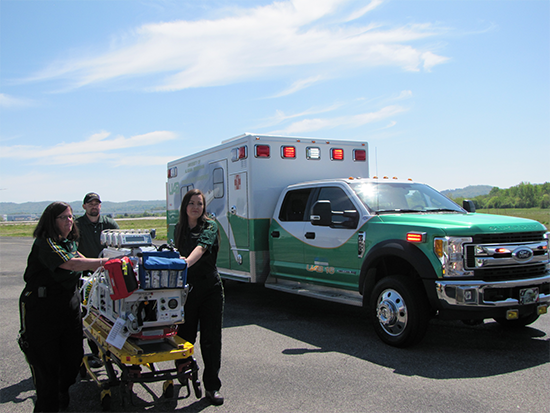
51, 338
204, 308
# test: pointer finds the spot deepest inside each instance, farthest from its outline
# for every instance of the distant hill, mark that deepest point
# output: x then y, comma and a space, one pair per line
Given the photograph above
470, 191
128, 207
139, 207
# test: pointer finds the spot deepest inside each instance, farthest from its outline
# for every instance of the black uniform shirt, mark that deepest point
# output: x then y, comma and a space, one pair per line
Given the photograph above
89, 244
43, 265
207, 237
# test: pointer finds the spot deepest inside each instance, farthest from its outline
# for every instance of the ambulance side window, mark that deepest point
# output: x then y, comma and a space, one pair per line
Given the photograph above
217, 183
294, 205
339, 202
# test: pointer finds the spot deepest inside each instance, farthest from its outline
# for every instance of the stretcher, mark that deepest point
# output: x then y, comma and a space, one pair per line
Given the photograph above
133, 320
136, 363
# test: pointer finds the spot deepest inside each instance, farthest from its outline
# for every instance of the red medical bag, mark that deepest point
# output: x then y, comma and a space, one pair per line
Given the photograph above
122, 277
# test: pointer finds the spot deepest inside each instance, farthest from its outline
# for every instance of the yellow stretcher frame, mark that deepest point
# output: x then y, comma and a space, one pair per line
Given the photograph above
131, 353
172, 348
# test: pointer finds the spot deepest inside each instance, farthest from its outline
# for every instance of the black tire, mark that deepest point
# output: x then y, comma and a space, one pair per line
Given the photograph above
197, 388
399, 310
168, 390
106, 403
520, 322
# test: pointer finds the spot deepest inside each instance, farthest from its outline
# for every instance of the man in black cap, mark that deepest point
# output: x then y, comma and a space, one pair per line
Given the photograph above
90, 225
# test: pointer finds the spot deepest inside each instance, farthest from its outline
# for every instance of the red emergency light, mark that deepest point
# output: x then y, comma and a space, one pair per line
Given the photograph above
416, 236
288, 152
337, 154
173, 172
242, 152
262, 151
359, 155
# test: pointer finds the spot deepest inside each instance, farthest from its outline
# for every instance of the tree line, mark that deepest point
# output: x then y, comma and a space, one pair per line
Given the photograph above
524, 195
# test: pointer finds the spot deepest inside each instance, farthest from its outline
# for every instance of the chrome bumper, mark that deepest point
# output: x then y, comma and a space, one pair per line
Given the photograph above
466, 293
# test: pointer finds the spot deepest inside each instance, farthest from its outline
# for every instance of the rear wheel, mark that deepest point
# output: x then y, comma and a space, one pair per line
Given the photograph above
399, 309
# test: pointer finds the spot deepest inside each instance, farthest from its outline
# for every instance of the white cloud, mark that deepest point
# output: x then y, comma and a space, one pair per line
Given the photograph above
390, 125
430, 60
299, 85
97, 148
254, 43
352, 121
405, 94
7, 101
369, 7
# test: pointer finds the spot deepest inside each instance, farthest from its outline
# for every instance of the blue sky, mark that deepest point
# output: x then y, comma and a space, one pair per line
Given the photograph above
98, 95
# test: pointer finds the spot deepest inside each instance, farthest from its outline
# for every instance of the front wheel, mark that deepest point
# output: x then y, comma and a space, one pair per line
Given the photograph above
399, 309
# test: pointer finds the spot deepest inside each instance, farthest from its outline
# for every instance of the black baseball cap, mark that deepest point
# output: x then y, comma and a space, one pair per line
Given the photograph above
91, 197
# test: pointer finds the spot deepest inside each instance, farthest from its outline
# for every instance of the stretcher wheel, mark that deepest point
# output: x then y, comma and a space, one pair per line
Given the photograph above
197, 388
82, 371
106, 400
126, 393
168, 389
183, 368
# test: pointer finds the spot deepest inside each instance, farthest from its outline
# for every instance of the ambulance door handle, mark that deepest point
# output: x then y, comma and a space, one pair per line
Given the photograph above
275, 234
310, 235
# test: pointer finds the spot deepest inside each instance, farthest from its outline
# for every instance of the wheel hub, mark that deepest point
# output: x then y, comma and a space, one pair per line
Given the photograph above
392, 312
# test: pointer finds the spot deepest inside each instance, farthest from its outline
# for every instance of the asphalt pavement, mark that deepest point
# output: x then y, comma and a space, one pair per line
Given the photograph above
286, 353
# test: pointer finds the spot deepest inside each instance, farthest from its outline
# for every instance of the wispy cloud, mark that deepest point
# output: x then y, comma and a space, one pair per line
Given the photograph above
314, 124
320, 38
405, 94
7, 101
299, 85
97, 148
389, 125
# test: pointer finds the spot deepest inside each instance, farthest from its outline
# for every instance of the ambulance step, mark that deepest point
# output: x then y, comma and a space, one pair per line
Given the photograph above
316, 291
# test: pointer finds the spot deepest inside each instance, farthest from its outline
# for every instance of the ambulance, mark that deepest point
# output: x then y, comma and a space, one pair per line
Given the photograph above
301, 215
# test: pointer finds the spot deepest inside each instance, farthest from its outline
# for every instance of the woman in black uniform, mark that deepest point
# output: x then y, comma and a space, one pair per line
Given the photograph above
51, 324
197, 241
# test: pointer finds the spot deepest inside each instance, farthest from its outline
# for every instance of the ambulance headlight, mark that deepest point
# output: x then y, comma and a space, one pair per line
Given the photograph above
450, 252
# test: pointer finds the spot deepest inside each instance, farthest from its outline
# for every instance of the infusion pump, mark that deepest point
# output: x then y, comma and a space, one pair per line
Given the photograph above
118, 238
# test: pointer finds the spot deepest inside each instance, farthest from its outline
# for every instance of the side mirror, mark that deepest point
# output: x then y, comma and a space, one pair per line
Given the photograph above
353, 218
469, 205
321, 214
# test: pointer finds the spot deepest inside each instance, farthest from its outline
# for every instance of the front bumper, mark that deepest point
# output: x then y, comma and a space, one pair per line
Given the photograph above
469, 294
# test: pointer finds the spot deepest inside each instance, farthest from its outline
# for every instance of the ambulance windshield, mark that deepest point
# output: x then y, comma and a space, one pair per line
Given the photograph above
402, 197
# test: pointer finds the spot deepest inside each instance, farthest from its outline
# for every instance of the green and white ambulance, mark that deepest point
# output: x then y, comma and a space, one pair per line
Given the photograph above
301, 215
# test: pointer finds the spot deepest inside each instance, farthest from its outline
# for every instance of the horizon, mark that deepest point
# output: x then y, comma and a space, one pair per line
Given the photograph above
164, 200
442, 91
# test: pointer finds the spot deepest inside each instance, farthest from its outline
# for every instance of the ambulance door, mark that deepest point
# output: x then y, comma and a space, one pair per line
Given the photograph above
217, 206
238, 222
287, 236
330, 252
